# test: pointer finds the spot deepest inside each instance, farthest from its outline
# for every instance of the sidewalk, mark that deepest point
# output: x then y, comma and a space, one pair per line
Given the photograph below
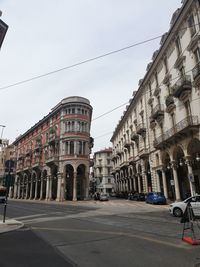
9, 225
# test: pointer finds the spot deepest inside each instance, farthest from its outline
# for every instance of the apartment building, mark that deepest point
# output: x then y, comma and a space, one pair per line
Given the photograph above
156, 144
102, 170
5, 155
52, 157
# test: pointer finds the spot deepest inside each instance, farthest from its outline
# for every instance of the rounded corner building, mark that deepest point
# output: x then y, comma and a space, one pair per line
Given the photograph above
52, 157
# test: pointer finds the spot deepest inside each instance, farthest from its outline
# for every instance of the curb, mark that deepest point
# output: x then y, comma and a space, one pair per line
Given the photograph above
10, 225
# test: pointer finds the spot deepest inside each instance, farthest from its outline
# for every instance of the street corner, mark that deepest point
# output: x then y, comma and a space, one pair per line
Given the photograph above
10, 225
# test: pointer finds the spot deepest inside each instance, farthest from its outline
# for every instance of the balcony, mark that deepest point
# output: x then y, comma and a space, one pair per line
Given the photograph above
150, 101
36, 162
143, 153
157, 91
141, 128
169, 102
21, 156
38, 147
52, 139
124, 164
157, 112
118, 152
52, 159
185, 127
152, 122
196, 73
134, 137
182, 87
28, 152
127, 144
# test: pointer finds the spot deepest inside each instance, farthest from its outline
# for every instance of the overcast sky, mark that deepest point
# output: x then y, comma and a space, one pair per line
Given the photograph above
46, 35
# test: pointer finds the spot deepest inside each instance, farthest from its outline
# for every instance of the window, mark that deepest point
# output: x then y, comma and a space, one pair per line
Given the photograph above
109, 180
197, 55
166, 65
178, 46
72, 148
191, 25
108, 161
66, 148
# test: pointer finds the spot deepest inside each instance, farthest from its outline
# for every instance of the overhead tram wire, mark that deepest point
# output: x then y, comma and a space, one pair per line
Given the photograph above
102, 115
88, 60
79, 63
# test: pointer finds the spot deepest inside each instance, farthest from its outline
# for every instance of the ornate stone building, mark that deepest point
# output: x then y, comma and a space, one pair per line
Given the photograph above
156, 144
52, 157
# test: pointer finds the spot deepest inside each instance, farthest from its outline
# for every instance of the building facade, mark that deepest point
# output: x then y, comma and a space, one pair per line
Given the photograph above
156, 144
6, 153
102, 170
52, 158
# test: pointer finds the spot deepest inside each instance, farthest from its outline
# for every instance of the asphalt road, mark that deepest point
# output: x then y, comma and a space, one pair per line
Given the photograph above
114, 233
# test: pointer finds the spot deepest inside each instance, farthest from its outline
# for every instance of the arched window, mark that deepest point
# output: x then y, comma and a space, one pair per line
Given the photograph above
71, 147
73, 128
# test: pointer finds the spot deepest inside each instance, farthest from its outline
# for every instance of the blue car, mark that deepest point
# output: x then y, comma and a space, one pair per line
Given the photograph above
156, 198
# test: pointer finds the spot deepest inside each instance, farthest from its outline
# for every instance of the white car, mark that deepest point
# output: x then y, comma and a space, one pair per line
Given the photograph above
178, 208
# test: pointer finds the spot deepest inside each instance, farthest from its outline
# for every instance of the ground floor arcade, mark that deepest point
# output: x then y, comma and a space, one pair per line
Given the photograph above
175, 171
48, 183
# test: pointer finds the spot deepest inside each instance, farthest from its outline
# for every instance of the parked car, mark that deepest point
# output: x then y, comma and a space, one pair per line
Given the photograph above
103, 197
137, 196
156, 198
177, 208
113, 194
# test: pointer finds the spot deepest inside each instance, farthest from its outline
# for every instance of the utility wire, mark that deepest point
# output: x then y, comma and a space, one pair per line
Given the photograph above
89, 60
110, 111
79, 63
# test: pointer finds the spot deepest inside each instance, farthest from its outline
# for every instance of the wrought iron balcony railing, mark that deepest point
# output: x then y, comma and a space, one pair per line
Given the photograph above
189, 123
183, 85
157, 111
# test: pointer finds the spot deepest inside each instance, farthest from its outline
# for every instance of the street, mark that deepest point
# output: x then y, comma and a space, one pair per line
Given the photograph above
92, 233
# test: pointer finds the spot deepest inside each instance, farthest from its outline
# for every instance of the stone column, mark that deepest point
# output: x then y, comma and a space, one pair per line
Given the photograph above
47, 187
139, 183
191, 178
26, 190
18, 189
134, 183
164, 183
36, 188
59, 182
130, 182
177, 190
23, 187
31, 189
74, 188
41, 188
158, 181
87, 186
50, 187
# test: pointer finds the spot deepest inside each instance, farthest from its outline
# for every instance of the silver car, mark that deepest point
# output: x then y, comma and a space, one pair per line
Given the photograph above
178, 208
103, 197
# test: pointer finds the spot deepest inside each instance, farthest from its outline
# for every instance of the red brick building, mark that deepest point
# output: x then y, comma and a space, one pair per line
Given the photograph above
52, 157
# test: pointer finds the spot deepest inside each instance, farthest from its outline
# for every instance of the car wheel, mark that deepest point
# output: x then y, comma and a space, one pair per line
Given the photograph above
177, 212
